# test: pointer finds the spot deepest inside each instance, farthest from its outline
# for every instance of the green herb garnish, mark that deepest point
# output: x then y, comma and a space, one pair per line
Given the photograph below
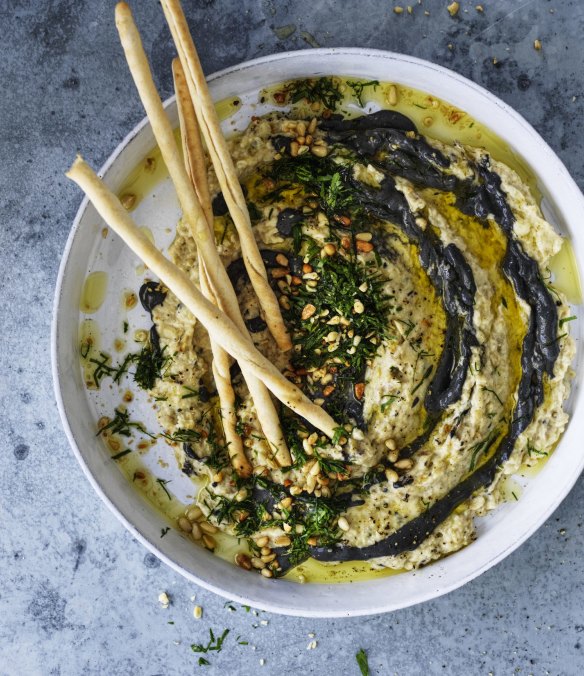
363, 662
162, 483
358, 88
321, 90
214, 644
121, 454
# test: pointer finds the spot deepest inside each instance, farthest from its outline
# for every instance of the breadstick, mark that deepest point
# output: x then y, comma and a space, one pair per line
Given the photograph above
220, 328
225, 170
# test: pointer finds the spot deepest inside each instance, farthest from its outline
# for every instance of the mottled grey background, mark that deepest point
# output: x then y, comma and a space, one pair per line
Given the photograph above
77, 594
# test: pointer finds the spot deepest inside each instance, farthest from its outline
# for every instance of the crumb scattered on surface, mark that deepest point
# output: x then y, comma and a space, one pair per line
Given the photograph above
537, 45
398, 10
480, 8
163, 599
197, 612
453, 8
312, 645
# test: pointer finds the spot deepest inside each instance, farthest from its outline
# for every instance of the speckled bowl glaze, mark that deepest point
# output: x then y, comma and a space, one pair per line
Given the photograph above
498, 534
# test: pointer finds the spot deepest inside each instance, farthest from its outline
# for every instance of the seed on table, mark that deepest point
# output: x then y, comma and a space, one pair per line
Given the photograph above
207, 527
197, 612
406, 463
185, 524
194, 513
243, 561
209, 541
266, 572
343, 524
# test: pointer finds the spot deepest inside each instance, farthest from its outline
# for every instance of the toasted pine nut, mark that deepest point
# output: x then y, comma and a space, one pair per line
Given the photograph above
343, 524
406, 463
207, 527
209, 541
185, 524
319, 151
282, 541
243, 561
266, 572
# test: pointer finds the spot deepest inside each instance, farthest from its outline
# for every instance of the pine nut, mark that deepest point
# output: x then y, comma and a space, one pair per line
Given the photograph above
406, 463
364, 236
364, 247
263, 541
295, 490
209, 541
343, 524
308, 311
282, 541
185, 524
243, 561
358, 307
390, 443
329, 249
266, 551
282, 260
195, 513
392, 95
196, 532
392, 456
318, 151
284, 302
268, 558
197, 612
391, 475
207, 527
266, 572
294, 148
257, 563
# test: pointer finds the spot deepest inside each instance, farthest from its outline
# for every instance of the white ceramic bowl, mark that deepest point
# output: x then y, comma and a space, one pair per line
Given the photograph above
499, 534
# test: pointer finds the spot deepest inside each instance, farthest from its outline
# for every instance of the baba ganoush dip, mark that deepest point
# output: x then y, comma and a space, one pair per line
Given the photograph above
413, 279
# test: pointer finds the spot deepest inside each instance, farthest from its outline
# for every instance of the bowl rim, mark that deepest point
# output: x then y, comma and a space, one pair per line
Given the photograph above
379, 606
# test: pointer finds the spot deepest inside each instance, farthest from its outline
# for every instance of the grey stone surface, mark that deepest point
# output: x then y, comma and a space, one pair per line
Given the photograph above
78, 595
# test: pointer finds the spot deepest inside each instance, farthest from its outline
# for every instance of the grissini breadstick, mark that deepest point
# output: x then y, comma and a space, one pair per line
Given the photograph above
220, 328
225, 170
197, 169
194, 216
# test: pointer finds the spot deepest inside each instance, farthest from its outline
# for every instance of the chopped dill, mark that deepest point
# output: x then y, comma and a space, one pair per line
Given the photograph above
162, 483
565, 320
322, 90
214, 643
358, 88
497, 397
121, 454
164, 531
121, 424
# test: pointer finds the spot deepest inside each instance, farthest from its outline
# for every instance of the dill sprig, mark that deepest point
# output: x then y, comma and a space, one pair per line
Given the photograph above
322, 90
358, 88
121, 424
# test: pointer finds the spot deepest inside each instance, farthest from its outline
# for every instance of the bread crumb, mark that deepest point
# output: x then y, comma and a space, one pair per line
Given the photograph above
537, 45
453, 8
163, 599
398, 10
